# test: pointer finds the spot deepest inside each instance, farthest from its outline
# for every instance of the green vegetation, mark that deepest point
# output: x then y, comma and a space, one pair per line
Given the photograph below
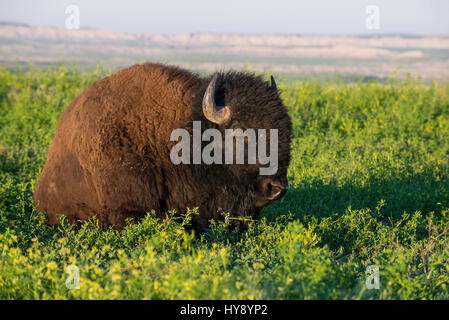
369, 185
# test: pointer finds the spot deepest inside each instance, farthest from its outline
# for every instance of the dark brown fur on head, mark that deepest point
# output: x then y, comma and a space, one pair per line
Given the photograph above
111, 153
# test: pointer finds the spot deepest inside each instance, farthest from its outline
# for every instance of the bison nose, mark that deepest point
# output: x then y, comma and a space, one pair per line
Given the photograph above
274, 189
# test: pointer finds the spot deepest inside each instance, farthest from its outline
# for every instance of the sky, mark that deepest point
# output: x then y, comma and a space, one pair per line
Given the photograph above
343, 17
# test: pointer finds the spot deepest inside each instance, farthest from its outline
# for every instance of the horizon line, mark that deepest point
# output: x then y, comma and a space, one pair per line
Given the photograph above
376, 34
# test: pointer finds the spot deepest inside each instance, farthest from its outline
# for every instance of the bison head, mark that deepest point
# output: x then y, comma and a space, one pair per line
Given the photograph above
236, 100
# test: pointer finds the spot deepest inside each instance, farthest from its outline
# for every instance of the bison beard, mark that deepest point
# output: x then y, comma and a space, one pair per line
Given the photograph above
110, 156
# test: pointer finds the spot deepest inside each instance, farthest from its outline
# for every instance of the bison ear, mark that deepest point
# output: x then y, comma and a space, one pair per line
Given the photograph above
273, 84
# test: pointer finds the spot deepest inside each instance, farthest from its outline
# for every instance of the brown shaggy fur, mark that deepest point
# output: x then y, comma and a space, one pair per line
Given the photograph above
110, 156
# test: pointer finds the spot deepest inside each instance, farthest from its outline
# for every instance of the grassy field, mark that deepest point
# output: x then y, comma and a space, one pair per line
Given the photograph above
369, 185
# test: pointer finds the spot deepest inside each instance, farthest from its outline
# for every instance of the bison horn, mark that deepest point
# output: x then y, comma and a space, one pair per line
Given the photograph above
273, 84
212, 112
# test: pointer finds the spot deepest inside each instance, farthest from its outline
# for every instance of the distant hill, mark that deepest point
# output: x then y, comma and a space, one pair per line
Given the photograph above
294, 55
14, 30
14, 24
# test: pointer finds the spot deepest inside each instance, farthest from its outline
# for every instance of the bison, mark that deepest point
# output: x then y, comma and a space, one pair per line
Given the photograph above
110, 156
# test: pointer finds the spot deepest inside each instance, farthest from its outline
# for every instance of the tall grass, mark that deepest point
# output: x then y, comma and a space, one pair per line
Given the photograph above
369, 185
